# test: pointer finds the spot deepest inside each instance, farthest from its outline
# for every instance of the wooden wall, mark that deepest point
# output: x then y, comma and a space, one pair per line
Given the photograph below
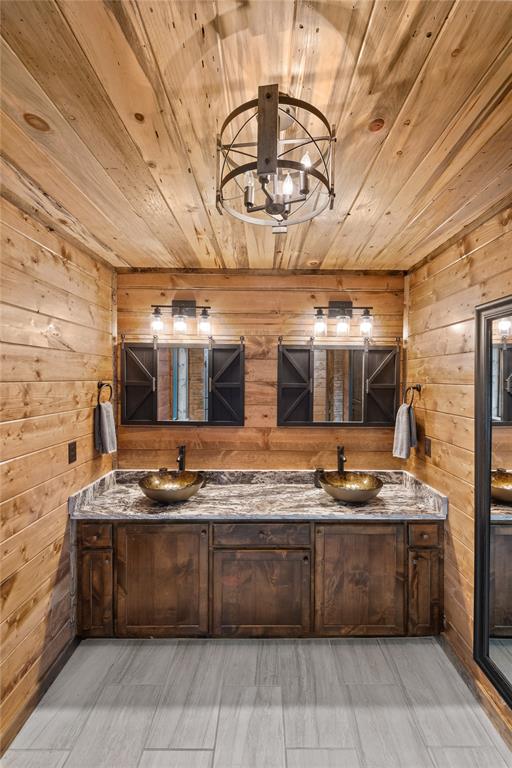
260, 307
56, 342
442, 296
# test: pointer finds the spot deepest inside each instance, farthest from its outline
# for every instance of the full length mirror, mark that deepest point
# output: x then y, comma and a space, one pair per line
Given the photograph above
180, 384
337, 385
493, 621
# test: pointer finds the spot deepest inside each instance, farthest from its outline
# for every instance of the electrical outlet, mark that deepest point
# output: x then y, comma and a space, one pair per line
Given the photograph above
428, 447
72, 452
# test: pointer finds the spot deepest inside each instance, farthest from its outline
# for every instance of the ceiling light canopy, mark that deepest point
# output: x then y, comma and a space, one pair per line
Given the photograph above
275, 161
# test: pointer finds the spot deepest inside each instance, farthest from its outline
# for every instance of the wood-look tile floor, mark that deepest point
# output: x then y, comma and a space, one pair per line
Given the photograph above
348, 703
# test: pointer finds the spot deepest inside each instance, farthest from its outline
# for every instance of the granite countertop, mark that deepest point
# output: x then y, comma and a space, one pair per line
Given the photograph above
238, 495
501, 513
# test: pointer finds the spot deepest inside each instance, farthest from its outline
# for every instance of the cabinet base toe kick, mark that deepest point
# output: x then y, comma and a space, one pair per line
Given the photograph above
303, 579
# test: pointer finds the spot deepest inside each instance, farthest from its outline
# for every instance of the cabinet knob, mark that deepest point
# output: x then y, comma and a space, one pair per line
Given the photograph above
203, 532
415, 562
262, 534
424, 535
306, 558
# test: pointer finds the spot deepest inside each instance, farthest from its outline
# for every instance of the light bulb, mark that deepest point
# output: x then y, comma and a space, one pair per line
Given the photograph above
366, 324
180, 324
343, 325
320, 323
205, 325
157, 324
288, 185
504, 326
306, 160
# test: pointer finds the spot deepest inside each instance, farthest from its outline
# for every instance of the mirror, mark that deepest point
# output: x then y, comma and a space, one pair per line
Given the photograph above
493, 559
180, 384
338, 385
330, 385
502, 371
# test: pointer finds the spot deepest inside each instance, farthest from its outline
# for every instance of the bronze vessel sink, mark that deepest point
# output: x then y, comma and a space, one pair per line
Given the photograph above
350, 486
168, 486
501, 486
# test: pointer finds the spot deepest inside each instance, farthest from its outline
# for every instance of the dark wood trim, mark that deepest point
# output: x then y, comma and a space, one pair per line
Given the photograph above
485, 314
29, 706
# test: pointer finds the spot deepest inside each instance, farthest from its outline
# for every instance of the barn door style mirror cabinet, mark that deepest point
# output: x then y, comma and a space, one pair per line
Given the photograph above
180, 383
333, 386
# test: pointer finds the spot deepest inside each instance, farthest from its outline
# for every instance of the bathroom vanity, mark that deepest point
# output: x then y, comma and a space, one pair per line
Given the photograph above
258, 554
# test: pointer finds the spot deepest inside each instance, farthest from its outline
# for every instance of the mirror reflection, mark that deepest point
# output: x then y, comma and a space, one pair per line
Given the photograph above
338, 385
182, 384
500, 581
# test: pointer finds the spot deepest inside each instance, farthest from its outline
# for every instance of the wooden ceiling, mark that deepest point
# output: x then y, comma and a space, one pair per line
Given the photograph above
110, 112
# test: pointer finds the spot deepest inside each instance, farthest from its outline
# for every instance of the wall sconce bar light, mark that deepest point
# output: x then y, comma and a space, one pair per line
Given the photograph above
342, 312
180, 311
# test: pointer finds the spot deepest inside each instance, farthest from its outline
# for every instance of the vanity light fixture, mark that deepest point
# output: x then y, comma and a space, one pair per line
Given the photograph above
264, 165
320, 322
157, 323
504, 327
342, 312
180, 311
205, 323
180, 324
343, 325
366, 324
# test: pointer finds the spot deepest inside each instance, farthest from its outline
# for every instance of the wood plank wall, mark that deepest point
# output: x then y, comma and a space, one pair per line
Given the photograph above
56, 342
442, 296
261, 307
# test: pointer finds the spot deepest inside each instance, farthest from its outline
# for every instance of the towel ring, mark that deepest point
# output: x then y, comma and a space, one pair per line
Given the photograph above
413, 388
102, 384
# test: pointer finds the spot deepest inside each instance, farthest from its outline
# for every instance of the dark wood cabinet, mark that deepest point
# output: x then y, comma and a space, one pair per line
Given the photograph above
424, 591
500, 581
261, 593
161, 580
360, 579
95, 593
278, 579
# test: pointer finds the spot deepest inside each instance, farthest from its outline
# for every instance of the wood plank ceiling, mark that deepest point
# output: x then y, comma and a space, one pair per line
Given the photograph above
110, 112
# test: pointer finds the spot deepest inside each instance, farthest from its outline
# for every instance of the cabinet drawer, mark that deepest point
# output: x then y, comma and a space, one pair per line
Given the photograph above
96, 535
424, 535
261, 535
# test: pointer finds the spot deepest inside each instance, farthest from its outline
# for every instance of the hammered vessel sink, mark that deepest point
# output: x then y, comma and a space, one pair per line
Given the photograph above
350, 486
501, 486
168, 486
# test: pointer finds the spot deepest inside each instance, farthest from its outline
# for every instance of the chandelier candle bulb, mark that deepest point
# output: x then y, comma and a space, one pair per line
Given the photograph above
288, 185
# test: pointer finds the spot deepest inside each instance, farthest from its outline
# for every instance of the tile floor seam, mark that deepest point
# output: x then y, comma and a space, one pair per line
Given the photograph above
357, 733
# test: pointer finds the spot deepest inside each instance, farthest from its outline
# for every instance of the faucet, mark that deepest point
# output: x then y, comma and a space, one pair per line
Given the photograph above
180, 461
341, 459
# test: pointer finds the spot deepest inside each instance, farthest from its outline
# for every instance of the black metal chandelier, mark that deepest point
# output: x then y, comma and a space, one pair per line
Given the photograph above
277, 166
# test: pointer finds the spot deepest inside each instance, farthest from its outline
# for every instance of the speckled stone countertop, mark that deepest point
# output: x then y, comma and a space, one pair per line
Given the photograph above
253, 495
501, 513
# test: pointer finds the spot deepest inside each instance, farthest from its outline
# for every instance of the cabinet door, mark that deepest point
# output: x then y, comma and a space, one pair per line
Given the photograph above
424, 592
95, 593
261, 593
500, 586
359, 579
161, 580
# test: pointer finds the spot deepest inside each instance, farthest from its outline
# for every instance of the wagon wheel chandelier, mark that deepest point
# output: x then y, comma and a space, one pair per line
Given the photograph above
277, 167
